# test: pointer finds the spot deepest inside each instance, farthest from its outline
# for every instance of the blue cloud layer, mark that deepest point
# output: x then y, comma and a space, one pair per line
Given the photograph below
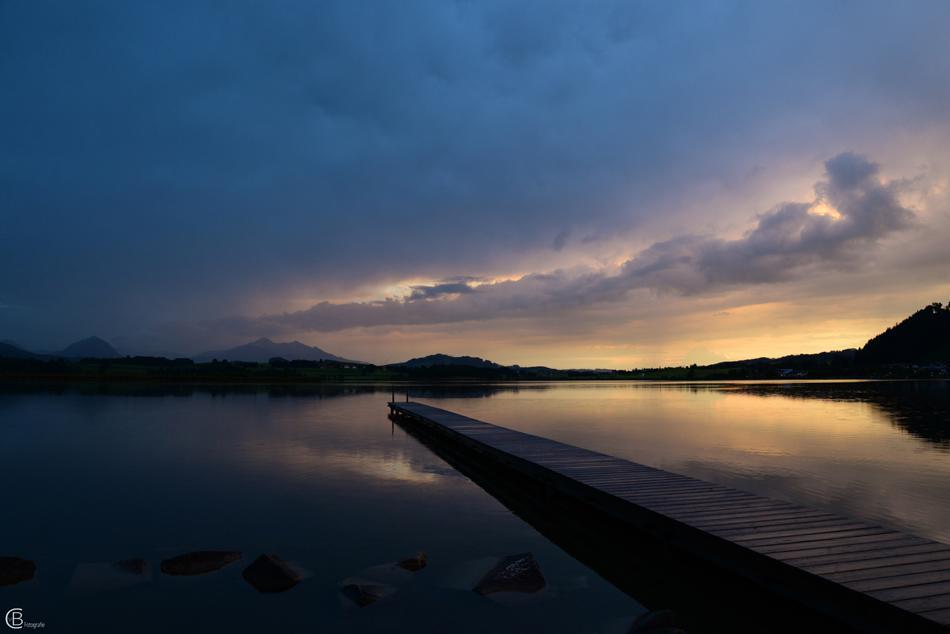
175, 160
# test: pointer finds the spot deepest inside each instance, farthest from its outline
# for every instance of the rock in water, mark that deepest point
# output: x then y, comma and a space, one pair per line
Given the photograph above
199, 562
15, 570
515, 573
270, 573
363, 594
132, 566
415, 563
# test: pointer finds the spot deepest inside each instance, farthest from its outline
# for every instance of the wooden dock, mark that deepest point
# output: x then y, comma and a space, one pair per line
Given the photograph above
865, 576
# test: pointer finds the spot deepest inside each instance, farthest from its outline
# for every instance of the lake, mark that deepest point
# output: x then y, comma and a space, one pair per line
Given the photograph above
320, 477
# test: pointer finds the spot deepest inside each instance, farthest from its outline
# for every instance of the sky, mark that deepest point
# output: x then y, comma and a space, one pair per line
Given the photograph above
606, 184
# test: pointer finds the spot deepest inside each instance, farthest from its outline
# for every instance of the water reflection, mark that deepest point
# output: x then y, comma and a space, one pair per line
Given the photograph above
322, 482
922, 408
147, 389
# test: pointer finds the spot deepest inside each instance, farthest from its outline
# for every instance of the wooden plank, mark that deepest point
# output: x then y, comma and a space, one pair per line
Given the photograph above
626, 480
659, 500
929, 577
746, 535
672, 495
745, 510
912, 591
916, 546
762, 516
883, 535
925, 604
608, 468
597, 461
880, 572
644, 485
861, 547
940, 616
655, 486
632, 486
872, 533
865, 563
815, 518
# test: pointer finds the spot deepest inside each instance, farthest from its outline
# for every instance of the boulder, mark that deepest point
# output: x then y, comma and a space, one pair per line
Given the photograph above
132, 566
515, 573
199, 562
415, 563
270, 573
364, 593
15, 570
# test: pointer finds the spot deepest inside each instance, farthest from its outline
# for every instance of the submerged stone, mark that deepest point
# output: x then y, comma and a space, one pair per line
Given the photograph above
132, 566
270, 573
95, 577
15, 570
364, 594
415, 563
515, 573
199, 562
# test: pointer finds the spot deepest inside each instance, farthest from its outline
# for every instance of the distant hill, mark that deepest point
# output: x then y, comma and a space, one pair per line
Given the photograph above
262, 350
923, 337
11, 351
917, 347
90, 347
833, 358
434, 360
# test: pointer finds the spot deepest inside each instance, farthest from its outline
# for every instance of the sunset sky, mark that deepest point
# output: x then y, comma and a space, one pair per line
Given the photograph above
607, 184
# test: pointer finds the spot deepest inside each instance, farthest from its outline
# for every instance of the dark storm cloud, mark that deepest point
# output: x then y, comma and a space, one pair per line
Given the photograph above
180, 160
530, 295
783, 244
438, 290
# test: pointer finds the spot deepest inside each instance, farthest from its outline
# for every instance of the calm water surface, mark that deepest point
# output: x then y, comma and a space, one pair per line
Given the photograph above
321, 478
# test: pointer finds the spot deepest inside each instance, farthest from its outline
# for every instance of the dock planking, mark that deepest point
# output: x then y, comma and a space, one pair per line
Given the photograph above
866, 576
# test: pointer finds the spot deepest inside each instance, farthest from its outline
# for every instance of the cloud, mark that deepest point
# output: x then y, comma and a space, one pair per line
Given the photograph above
858, 207
853, 209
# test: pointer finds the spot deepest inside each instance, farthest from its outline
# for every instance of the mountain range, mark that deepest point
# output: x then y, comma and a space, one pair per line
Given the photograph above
259, 351
10, 350
263, 350
90, 347
920, 339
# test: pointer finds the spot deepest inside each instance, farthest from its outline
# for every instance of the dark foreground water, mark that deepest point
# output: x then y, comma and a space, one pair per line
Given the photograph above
321, 478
